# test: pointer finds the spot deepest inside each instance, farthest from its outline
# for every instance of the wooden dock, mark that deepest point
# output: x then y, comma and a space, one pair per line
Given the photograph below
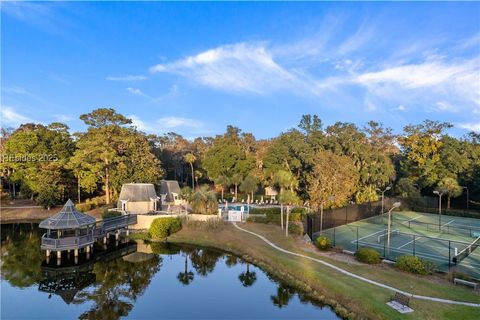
102, 230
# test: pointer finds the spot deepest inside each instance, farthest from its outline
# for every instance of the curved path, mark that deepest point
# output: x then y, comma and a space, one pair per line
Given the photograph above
470, 304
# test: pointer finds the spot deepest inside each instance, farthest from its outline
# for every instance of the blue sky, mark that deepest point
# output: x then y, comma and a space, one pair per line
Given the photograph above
194, 68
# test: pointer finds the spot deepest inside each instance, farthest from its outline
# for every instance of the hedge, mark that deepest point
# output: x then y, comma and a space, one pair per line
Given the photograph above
106, 214
163, 227
273, 215
415, 265
91, 203
295, 228
368, 255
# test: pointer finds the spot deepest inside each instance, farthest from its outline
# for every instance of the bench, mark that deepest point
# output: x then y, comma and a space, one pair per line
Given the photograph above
404, 300
400, 303
466, 283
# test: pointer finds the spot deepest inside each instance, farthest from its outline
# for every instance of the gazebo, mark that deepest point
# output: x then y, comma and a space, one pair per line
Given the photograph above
68, 230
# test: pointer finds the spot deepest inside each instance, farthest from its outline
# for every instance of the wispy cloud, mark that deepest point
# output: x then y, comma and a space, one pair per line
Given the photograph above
447, 86
470, 126
53, 17
136, 92
63, 117
163, 125
129, 77
14, 90
58, 78
170, 123
10, 117
254, 68
239, 67
141, 125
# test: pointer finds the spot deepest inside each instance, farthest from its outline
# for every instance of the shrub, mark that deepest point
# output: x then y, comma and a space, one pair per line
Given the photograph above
163, 227
368, 255
295, 216
84, 207
204, 201
186, 193
323, 243
275, 210
273, 214
48, 197
106, 214
414, 265
209, 225
295, 228
96, 201
5, 196
257, 219
300, 210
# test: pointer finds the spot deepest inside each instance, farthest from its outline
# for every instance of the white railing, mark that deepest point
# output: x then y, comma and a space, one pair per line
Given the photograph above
66, 243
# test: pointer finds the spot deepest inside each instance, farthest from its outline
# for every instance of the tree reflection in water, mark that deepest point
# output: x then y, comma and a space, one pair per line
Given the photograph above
248, 277
118, 284
21, 254
186, 277
112, 280
283, 296
204, 260
231, 260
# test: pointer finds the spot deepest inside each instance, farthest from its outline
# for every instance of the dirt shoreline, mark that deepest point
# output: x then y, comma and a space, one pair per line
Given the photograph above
19, 211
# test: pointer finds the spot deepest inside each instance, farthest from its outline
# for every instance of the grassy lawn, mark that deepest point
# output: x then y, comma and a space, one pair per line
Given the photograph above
350, 297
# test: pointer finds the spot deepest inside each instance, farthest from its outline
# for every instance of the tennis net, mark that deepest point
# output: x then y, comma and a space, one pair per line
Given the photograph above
466, 251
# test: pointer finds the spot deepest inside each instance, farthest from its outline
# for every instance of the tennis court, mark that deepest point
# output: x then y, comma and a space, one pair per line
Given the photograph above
451, 244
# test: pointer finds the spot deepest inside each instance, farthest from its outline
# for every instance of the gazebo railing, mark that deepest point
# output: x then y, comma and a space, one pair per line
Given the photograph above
101, 228
66, 243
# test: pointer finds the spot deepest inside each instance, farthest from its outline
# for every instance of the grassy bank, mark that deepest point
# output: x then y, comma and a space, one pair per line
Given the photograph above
350, 297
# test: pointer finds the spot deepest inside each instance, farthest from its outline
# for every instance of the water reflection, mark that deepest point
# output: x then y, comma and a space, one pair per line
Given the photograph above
247, 278
110, 283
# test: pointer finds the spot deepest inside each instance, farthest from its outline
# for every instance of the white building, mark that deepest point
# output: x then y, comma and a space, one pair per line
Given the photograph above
138, 198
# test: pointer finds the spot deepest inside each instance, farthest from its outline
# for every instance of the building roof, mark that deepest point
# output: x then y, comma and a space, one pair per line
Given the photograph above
68, 218
168, 187
134, 192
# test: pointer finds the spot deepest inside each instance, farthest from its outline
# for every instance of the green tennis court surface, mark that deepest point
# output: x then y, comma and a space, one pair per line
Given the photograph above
419, 234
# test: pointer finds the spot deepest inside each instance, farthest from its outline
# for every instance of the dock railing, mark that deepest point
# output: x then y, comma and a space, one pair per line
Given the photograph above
100, 230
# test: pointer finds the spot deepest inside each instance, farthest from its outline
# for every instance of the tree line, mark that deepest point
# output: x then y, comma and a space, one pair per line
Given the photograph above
324, 166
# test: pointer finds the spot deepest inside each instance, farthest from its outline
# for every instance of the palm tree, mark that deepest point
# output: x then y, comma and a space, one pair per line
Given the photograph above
289, 198
285, 180
190, 159
236, 180
249, 185
451, 187
283, 297
204, 201
187, 276
223, 182
247, 278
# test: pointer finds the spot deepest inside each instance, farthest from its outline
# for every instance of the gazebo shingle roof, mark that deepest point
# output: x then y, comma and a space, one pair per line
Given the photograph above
68, 218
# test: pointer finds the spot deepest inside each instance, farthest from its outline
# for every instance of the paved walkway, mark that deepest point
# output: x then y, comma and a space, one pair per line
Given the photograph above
470, 304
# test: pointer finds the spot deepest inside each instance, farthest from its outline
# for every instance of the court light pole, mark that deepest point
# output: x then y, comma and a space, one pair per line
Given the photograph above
468, 200
395, 205
383, 196
440, 194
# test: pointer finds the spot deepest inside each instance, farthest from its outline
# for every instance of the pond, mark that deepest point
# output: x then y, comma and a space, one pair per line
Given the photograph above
141, 281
